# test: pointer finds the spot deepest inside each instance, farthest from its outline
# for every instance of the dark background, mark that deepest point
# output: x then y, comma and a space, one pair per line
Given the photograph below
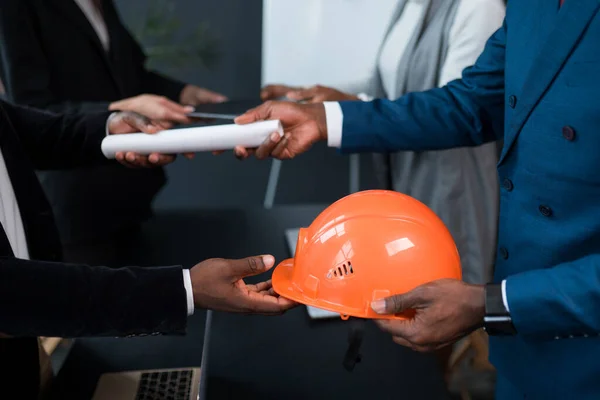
319, 176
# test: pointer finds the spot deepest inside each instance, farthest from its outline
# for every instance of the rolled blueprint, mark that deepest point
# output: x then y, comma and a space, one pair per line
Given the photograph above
192, 140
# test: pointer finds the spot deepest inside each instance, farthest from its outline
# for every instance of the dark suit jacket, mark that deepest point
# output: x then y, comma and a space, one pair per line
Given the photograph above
48, 298
51, 58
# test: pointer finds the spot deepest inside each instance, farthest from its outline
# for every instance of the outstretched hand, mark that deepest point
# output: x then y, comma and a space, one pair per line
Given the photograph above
218, 284
303, 125
130, 122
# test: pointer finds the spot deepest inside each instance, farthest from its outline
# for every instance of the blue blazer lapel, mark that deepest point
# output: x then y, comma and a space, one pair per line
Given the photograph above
570, 24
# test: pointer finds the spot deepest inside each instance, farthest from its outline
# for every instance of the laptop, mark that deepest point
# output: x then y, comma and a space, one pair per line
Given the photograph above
159, 384
291, 237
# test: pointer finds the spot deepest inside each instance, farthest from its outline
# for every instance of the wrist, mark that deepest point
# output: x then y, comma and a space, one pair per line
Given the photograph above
477, 304
196, 285
317, 111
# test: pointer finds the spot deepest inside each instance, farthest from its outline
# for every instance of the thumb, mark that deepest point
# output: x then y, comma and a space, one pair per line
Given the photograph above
398, 304
250, 266
259, 113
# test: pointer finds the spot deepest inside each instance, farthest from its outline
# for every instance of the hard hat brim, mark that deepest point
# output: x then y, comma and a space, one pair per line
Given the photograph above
283, 285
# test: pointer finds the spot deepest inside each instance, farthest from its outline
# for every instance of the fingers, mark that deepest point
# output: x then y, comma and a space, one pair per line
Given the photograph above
172, 111
317, 99
157, 159
164, 124
266, 93
208, 96
120, 157
304, 94
399, 303
241, 153
270, 92
250, 266
259, 113
403, 342
134, 160
280, 151
261, 287
268, 146
267, 304
402, 328
139, 123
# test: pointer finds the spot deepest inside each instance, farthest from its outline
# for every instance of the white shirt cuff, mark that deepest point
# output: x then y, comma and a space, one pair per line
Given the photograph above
504, 300
365, 97
108, 122
187, 283
335, 122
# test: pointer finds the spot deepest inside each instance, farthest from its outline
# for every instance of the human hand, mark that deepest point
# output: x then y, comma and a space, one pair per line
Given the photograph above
158, 108
303, 125
444, 312
319, 94
274, 92
129, 122
193, 95
218, 284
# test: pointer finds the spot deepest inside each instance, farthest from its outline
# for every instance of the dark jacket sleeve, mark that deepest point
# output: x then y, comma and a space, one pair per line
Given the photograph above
64, 300
154, 82
23, 65
57, 141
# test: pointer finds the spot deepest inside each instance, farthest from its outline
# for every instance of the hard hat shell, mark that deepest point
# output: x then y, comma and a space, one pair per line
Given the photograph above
367, 246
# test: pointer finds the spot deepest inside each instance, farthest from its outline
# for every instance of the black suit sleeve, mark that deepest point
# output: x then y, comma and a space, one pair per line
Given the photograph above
58, 141
63, 300
154, 82
23, 65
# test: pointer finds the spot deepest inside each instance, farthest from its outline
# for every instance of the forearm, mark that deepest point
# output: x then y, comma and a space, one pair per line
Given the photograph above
434, 120
72, 107
465, 112
557, 302
55, 141
62, 300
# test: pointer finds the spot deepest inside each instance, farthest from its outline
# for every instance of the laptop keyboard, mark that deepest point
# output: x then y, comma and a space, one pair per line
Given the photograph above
166, 385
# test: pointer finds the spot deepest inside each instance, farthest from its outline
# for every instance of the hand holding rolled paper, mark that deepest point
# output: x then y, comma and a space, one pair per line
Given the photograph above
192, 140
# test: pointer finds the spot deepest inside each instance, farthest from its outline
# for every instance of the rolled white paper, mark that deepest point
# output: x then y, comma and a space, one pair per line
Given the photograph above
192, 140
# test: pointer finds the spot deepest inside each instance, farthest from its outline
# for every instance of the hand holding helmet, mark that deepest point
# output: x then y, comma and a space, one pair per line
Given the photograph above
365, 247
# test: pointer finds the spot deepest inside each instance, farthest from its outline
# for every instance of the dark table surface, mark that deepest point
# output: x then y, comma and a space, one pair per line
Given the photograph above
251, 357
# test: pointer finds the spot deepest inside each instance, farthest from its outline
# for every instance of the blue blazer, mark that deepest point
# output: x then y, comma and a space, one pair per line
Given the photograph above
537, 86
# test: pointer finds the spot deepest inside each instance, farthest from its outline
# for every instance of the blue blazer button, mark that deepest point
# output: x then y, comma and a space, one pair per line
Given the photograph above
545, 211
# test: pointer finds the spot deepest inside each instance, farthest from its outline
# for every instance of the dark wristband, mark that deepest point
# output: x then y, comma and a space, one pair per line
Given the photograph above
497, 320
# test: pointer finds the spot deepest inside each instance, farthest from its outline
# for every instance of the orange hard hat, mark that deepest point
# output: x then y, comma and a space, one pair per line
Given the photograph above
364, 247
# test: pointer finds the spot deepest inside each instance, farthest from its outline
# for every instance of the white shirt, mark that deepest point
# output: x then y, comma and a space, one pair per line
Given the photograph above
474, 23
10, 215
96, 20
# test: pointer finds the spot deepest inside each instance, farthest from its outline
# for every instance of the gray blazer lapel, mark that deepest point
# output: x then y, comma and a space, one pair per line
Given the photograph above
377, 89
404, 65
571, 23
